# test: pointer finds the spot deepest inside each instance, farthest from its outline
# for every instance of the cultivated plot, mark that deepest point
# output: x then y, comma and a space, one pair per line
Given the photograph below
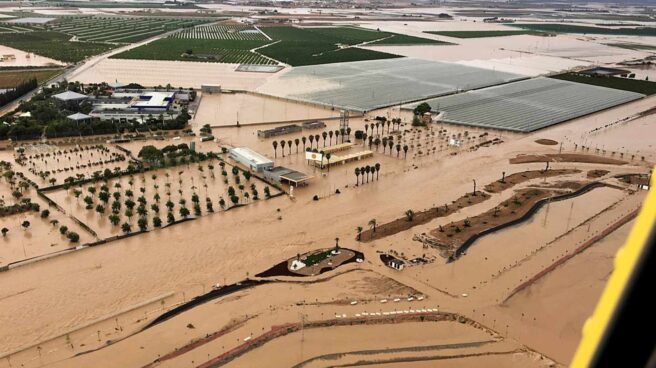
119, 29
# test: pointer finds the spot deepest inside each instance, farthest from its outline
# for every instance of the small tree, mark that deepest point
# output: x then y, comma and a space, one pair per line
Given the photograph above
157, 222
372, 224
25, 224
73, 237
359, 231
4, 231
63, 230
126, 228
45, 213
409, 215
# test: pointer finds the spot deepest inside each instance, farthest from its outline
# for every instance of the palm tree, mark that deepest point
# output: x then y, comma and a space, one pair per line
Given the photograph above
297, 142
357, 176
398, 150
324, 135
328, 155
372, 224
275, 149
303, 139
316, 138
359, 231
366, 129
282, 145
311, 138
348, 134
377, 167
390, 144
330, 134
405, 151
384, 144
289, 144
368, 170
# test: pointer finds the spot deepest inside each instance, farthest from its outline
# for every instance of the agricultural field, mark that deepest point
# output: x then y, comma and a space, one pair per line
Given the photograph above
119, 29
310, 46
294, 46
12, 78
633, 85
221, 32
633, 46
221, 51
14, 28
569, 28
55, 45
154, 199
481, 34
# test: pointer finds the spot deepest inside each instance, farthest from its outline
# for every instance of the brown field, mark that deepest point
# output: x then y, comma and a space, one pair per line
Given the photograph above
15, 77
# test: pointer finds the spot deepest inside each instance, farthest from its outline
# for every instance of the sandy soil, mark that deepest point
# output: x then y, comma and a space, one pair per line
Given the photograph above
25, 58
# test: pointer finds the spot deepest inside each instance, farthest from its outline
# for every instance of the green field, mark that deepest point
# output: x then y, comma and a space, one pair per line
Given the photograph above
215, 32
294, 46
480, 34
568, 28
118, 29
310, 46
10, 79
633, 46
14, 28
633, 85
54, 45
224, 51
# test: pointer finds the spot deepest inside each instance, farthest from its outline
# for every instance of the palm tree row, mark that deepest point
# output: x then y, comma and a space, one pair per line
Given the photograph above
381, 121
311, 139
365, 171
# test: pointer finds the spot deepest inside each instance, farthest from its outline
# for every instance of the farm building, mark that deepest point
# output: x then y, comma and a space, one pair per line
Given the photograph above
396, 264
153, 101
70, 96
251, 159
210, 88
284, 175
316, 124
285, 129
79, 117
527, 105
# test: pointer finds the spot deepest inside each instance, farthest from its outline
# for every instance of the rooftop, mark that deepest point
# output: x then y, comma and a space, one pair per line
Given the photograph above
153, 100
528, 105
78, 116
251, 155
70, 96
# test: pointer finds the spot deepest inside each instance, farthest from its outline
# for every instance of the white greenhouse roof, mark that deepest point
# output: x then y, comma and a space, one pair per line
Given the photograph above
528, 105
368, 85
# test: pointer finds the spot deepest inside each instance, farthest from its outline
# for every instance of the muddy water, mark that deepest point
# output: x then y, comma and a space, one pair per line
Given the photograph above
228, 109
502, 249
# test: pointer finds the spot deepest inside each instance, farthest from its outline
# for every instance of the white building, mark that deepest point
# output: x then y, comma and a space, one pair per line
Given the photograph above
251, 159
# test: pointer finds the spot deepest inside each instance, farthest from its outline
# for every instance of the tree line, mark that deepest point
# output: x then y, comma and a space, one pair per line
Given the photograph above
15, 93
